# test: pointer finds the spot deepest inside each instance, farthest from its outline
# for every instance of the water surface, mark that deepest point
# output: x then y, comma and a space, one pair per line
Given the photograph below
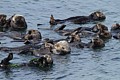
81, 64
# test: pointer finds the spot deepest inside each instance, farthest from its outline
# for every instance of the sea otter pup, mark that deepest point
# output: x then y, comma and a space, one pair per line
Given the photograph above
34, 35
99, 27
95, 16
17, 22
96, 42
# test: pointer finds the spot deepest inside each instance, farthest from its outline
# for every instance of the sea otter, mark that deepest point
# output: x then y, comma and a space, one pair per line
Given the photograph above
115, 30
41, 62
17, 22
95, 16
60, 47
95, 42
99, 27
32, 36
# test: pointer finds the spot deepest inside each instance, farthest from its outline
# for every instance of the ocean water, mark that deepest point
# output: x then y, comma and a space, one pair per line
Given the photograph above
81, 64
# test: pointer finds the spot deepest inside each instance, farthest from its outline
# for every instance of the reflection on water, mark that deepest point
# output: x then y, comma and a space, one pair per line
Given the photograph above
84, 64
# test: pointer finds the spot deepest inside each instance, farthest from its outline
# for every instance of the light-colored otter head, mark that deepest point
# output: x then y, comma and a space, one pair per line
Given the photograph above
33, 35
97, 16
61, 47
18, 22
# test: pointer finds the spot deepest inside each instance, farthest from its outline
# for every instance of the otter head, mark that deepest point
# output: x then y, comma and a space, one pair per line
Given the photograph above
43, 61
105, 34
115, 26
33, 35
97, 16
18, 22
99, 27
74, 37
96, 42
2, 19
49, 59
61, 47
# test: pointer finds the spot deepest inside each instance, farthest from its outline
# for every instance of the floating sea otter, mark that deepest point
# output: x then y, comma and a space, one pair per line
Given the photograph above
32, 36
115, 30
60, 47
41, 62
18, 22
95, 42
98, 29
96, 16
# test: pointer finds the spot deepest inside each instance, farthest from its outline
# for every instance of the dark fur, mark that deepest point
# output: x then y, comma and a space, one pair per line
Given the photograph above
96, 16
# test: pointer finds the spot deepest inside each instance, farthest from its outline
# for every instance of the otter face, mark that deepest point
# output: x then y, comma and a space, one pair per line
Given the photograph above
2, 19
43, 61
97, 42
18, 22
61, 47
74, 37
97, 16
48, 59
105, 34
33, 35
99, 27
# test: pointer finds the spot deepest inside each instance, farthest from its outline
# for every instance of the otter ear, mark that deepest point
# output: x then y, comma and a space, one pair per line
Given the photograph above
52, 20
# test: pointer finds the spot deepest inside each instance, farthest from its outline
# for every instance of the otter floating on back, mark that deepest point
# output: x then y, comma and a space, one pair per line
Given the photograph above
95, 16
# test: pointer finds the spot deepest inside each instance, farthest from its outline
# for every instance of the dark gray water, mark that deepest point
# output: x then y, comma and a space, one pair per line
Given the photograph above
81, 64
